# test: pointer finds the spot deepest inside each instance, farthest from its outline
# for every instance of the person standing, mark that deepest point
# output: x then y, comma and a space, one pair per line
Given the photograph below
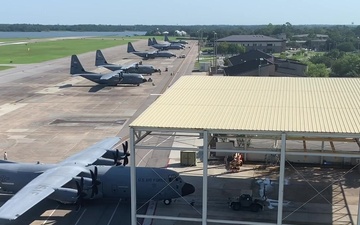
5, 156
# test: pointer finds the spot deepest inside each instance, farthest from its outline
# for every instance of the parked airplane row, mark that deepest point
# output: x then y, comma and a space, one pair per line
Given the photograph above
93, 173
160, 46
165, 45
121, 74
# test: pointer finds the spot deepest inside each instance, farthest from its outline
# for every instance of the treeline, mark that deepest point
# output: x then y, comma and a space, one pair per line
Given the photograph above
336, 33
342, 37
334, 64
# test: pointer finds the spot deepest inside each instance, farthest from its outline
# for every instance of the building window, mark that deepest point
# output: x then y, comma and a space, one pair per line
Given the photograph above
269, 45
254, 44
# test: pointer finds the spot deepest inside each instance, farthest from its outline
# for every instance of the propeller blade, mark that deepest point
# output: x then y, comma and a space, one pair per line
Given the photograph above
80, 193
126, 153
116, 157
94, 182
126, 161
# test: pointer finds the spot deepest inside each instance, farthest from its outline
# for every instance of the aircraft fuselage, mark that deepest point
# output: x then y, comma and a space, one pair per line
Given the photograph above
151, 183
125, 78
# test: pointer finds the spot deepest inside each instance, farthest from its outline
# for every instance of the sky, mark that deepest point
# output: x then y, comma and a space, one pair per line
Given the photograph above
183, 12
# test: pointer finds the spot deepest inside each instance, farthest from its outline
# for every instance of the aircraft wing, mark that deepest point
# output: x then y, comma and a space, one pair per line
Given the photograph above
92, 153
37, 190
107, 76
54, 178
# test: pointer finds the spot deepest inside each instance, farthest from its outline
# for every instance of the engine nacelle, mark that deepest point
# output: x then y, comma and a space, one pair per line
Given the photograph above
65, 195
104, 161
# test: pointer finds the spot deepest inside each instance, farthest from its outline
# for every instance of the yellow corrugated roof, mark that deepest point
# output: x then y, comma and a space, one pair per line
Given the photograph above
286, 104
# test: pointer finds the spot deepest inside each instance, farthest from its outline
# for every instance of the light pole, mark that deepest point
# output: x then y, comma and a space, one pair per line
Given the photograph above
215, 53
199, 43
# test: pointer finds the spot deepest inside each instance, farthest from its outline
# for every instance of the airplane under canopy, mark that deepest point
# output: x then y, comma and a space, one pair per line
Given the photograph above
77, 178
113, 78
149, 55
134, 68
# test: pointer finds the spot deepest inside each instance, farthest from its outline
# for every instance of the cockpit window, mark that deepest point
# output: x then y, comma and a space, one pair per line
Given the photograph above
171, 177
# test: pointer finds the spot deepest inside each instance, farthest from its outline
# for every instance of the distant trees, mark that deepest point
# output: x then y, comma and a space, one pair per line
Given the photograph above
347, 66
346, 47
338, 64
226, 48
317, 70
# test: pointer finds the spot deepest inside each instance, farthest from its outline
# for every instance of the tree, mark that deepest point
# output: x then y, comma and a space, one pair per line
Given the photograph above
346, 47
222, 48
321, 59
236, 49
317, 70
347, 66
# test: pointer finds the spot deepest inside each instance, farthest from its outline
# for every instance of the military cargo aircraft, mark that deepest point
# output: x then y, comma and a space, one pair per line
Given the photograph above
157, 45
164, 46
89, 174
166, 38
112, 78
149, 55
134, 68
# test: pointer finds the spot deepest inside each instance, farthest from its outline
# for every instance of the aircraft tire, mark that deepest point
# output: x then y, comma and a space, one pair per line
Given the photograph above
167, 201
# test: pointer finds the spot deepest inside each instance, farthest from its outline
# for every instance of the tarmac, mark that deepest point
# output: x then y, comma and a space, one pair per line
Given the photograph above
46, 115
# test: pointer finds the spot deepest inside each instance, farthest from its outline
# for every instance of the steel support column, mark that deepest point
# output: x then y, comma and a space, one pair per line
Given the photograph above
205, 177
358, 214
281, 179
133, 177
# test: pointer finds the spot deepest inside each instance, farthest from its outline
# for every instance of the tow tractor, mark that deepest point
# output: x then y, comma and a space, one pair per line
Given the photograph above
246, 202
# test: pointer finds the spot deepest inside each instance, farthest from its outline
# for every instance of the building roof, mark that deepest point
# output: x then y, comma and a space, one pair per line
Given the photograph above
271, 105
249, 55
246, 66
252, 38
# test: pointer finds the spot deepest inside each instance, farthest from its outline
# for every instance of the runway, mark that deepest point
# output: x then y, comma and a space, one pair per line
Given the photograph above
46, 116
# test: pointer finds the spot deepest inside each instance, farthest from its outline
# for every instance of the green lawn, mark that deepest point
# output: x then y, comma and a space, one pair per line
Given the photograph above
5, 67
203, 58
43, 51
47, 50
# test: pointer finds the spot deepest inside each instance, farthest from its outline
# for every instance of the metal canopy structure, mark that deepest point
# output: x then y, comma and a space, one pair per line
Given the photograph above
279, 107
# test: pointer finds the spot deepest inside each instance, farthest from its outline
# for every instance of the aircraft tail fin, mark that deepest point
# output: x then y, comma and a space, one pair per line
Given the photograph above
154, 41
76, 66
100, 59
130, 48
166, 38
150, 43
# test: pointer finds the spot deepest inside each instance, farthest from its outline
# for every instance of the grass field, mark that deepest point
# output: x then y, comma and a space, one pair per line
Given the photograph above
5, 67
42, 50
203, 58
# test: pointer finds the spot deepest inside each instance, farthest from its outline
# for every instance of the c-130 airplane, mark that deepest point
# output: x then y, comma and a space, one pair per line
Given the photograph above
93, 173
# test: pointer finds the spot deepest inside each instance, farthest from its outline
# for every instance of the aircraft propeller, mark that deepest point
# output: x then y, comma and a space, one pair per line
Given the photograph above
80, 193
126, 153
94, 182
116, 158
124, 156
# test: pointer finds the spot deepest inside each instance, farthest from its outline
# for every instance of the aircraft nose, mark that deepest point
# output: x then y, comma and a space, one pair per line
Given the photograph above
187, 189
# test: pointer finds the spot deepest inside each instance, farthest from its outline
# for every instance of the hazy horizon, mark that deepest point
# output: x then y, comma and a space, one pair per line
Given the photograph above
184, 13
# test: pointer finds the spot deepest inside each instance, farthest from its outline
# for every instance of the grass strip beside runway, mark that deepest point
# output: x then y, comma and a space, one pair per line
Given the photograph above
5, 67
47, 50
